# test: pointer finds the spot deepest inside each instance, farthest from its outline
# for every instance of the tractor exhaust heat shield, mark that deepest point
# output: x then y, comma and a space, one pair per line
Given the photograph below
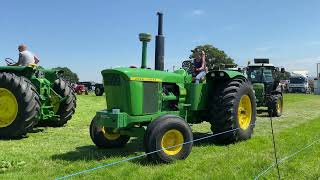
159, 52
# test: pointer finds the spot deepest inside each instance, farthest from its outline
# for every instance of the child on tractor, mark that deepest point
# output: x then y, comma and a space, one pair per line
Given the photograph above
199, 63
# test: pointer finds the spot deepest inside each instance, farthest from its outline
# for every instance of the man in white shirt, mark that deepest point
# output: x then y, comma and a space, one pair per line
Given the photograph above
26, 57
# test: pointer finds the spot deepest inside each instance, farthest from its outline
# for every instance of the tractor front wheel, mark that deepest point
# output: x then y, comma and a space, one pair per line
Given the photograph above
167, 139
103, 137
233, 111
275, 105
19, 105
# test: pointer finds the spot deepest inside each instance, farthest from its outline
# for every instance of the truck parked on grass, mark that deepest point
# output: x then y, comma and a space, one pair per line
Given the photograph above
299, 82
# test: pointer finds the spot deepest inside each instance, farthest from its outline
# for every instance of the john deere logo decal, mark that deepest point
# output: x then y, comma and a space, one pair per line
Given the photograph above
145, 79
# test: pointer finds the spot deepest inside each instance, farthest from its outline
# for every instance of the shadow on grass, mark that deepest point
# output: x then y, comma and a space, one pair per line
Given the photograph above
144, 161
262, 113
37, 130
133, 148
14, 138
91, 152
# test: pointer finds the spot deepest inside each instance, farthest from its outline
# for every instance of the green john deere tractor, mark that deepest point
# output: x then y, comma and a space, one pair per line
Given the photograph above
159, 106
30, 95
268, 92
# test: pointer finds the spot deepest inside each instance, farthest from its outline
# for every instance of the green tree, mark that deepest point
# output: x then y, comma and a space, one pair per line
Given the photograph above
214, 56
282, 76
68, 74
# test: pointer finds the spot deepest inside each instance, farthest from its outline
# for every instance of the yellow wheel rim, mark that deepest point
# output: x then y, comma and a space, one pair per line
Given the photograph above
244, 112
8, 107
109, 135
279, 106
172, 138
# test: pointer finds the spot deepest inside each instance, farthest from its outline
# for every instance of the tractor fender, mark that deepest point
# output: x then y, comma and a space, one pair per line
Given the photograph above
277, 91
224, 74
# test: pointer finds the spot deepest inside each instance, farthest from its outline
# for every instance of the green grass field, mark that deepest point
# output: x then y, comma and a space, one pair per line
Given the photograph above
49, 153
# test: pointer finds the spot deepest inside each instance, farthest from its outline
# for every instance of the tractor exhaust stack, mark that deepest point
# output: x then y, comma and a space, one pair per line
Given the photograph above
159, 51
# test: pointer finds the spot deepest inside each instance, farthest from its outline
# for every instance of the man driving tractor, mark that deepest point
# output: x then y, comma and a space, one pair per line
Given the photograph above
26, 57
199, 63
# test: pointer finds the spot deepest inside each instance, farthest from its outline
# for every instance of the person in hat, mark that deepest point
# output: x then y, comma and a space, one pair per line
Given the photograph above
199, 63
26, 57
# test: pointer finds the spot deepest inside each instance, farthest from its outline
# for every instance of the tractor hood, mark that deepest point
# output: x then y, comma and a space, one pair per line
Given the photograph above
137, 74
28, 71
15, 68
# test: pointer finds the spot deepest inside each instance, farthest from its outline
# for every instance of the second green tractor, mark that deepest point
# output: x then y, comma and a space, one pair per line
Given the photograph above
31, 95
268, 91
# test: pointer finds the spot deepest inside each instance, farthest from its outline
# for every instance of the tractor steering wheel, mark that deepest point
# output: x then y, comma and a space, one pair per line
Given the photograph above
9, 61
188, 66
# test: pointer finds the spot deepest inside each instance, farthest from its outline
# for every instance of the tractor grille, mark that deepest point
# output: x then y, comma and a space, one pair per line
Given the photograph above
150, 97
112, 80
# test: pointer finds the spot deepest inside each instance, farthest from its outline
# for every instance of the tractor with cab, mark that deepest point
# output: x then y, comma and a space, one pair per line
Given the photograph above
266, 84
160, 106
31, 95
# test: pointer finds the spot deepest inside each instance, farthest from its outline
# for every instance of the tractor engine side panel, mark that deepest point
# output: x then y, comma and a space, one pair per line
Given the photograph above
259, 90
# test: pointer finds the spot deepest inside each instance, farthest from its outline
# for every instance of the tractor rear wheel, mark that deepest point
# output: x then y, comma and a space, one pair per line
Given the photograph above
98, 91
233, 111
66, 108
104, 137
168, 133
19, 105
275, 105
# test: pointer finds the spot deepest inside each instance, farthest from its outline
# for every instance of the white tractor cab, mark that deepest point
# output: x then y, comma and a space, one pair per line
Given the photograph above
299, 82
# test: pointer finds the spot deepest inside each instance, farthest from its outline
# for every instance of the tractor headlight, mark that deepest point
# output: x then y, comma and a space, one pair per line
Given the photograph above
213, 75
221, 74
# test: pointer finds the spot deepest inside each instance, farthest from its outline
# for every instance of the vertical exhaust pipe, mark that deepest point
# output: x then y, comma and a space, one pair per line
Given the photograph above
159, 52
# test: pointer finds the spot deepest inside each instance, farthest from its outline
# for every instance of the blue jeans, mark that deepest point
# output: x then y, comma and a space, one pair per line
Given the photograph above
200, 75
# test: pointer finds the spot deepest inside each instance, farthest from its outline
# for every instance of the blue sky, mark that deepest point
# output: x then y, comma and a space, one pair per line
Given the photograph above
88, 36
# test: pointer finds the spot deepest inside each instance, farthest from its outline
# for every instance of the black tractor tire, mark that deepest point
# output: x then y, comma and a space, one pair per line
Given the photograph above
79, 92
275, 105
66, 109
98, 91
168, 132
224, 105
100, 136
28, 103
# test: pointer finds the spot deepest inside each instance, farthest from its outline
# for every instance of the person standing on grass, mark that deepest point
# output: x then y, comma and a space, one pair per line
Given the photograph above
26, 57
199, 63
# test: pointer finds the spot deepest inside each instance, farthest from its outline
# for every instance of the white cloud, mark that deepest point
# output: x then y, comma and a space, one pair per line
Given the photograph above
198, 12
308, 64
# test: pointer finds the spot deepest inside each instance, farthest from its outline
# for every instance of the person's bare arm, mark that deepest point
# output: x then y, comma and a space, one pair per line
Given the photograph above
36, 59
203, 66
19, 61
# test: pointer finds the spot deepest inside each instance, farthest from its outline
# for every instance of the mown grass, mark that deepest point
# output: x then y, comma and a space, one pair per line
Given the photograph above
49, 153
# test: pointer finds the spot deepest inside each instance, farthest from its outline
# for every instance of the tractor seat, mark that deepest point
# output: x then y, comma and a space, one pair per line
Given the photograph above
32, 65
